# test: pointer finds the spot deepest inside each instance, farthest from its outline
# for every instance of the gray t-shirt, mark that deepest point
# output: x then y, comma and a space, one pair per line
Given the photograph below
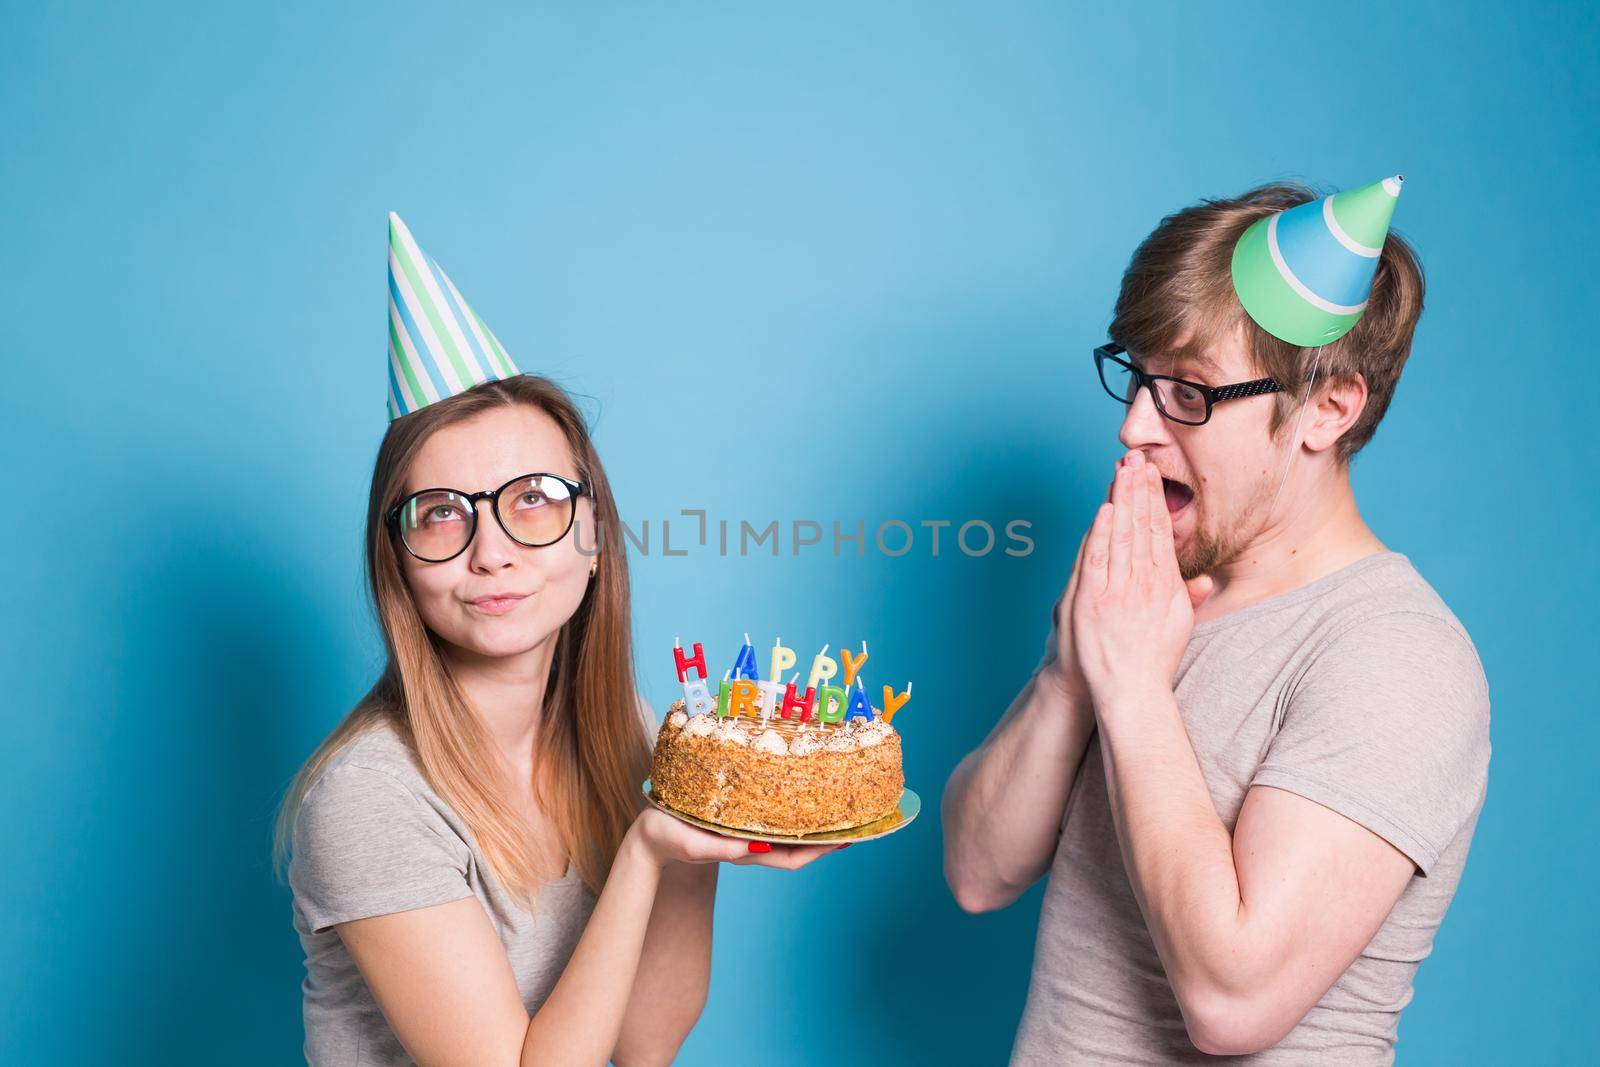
1360, 691
372, 838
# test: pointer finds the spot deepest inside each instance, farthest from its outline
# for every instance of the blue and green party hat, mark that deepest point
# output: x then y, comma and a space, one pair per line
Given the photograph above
1304, 274
438, 346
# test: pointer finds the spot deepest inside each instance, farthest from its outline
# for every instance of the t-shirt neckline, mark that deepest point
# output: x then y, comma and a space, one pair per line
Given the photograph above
1308, 591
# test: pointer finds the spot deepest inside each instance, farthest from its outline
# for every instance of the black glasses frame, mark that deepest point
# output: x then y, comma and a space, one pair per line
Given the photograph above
392, 519
1213, 394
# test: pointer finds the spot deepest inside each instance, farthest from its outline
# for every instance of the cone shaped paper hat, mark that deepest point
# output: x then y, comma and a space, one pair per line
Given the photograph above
1304, 274
437, 346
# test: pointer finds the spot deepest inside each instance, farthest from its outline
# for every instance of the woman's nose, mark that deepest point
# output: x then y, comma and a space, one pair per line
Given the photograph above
491, 549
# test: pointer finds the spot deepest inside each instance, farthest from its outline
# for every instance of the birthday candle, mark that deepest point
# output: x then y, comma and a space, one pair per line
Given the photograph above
893, 703
782, 660
698, 660
724, 691
697, 697
696, 694
830, 704
742, 698
793, 703
770, 692
852, 663
744, 664
822, 668
859, 704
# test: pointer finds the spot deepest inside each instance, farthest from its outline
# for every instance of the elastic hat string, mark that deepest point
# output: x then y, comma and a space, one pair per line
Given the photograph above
1293, 447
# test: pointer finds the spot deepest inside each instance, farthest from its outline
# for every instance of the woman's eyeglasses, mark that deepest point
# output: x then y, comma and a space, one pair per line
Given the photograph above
534, 510
1181, 401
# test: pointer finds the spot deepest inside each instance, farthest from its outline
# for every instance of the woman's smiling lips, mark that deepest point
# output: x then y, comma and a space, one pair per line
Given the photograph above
498, 603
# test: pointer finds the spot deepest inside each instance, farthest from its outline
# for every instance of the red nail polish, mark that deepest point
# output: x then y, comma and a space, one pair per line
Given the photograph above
845, 845
760, 846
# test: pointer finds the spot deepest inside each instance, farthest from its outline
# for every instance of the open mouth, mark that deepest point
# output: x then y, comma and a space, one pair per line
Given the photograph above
1179, 495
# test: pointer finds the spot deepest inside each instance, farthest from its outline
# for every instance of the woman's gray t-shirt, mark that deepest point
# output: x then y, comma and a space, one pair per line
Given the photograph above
372, 838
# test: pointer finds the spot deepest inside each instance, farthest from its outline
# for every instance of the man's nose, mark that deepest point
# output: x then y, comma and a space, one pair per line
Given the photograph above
1143, 425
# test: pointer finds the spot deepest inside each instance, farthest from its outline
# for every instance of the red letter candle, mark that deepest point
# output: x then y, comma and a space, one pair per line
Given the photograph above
793, 703
698, 661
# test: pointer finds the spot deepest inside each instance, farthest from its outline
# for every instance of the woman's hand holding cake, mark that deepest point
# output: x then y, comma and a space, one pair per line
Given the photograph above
660, 840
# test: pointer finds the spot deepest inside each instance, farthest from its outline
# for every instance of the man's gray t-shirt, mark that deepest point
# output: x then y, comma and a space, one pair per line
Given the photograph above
373, 838
1360, 691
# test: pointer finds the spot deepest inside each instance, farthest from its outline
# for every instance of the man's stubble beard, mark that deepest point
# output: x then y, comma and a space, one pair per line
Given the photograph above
1206, 549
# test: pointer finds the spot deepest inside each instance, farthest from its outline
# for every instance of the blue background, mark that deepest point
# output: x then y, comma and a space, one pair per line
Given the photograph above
831, 261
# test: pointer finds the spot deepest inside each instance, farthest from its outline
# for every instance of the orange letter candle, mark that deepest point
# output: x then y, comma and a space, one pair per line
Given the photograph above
893, 703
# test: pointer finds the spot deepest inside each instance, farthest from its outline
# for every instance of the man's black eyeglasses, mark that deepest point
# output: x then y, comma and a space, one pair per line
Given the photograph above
437, 525
1177, 399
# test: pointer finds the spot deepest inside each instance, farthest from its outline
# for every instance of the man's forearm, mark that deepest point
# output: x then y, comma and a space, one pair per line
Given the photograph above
1178, 854
1002, 808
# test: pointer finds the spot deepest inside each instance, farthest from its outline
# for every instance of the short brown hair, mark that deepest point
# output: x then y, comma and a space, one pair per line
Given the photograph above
1180, 282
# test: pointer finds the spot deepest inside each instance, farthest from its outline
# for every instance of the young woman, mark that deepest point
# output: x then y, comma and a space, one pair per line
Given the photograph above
474, 879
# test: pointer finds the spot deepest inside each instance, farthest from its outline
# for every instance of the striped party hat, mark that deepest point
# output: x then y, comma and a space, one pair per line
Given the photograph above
1304, 274
438, 346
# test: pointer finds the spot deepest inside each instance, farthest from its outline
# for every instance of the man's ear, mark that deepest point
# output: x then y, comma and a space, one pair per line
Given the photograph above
1334, 409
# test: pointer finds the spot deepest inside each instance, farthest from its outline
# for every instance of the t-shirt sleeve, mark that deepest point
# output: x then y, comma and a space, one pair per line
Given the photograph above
365, 844
1389, 727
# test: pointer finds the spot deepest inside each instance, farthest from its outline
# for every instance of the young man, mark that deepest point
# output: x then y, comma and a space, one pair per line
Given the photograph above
1253, 755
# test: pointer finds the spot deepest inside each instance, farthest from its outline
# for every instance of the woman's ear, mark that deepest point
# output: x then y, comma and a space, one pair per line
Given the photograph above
1335, 411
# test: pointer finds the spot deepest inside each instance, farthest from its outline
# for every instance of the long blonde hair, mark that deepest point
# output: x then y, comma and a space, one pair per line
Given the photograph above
592, 749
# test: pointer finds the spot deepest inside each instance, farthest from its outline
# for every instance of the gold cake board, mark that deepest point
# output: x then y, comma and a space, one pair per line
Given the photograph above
899, 819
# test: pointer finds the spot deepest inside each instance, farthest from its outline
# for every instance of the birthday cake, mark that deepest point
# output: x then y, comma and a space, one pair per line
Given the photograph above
768, 759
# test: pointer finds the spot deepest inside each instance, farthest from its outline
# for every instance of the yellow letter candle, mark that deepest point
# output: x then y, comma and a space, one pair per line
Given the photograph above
782, 660
822, 668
